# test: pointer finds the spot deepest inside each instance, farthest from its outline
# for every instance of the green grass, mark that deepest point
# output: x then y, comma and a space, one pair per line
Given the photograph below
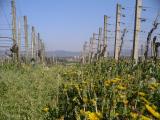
25, 91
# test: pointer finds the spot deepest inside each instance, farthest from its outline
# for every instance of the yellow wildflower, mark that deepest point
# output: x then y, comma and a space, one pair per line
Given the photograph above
93, 115
152, 88
155, 85
152, 111
115, 80
46, 109
107, 84
144, 99
120, 87
134, 115
145, 118
141, 117
118, 78
122, 96
141, 94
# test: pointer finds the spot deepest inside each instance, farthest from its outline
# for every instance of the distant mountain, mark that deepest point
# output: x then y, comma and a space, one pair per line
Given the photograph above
62, 53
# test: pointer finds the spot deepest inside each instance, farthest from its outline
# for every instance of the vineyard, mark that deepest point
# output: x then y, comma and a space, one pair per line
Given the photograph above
102, 90
116, 75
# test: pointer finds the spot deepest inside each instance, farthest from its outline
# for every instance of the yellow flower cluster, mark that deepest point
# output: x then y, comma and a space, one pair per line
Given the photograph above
135, 116
115, 80
154, 86
91, 115
120, 87
144, 100
151, 108
142, 94
152, 111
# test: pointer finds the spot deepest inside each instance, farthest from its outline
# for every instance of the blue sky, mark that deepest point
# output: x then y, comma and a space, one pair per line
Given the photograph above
67, 24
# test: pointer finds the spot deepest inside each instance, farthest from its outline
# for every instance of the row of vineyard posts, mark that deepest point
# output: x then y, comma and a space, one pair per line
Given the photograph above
97, 47
34, 48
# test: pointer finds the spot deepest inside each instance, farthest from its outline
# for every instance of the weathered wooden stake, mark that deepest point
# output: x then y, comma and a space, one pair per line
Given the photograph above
93, 43
105, 35
117, 33
14, 48
99, 46
90, 49
19, 40
14, 26
137, 29
84, 53
33, 42
26, 37
43, 52
39, 49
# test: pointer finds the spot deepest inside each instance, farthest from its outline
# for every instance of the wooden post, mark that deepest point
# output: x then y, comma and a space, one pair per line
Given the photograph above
84, 52
94, 42
99, 40
14, 27
26, 37
38, 42
117, 33
39, 49
105, 36
90, 50
19, 39
14, 32
33, 42
136, 30
36, 45
43, 52
99, 46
